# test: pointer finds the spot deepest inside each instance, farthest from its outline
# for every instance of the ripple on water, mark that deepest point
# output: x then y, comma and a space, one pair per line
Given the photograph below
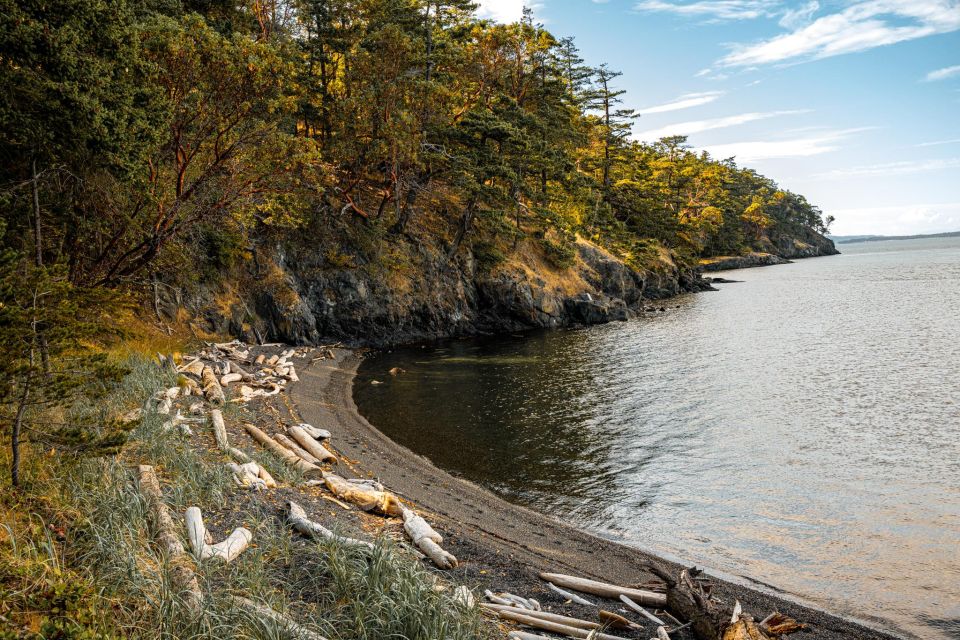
807, 420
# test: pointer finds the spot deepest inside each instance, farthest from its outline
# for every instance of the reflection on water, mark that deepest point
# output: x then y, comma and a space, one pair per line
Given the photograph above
800, 427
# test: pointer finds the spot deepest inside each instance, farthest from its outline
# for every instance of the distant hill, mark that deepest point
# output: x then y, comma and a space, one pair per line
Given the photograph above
852, 239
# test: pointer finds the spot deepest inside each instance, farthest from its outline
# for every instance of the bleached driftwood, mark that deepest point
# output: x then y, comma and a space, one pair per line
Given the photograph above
646, 614
606, 590
315, 449
260, 359
246, 476
314, 432
518, 601
546, 615
181, 569
570, 596
164, 405
227, 550
211, 387
190, 387
308, 470
495, 599
662, 633
527, 618
427, 540
302, 524
284, 622
291, 374
526, 635
464, 597
219, 429
302, 453
229, 378
363, 495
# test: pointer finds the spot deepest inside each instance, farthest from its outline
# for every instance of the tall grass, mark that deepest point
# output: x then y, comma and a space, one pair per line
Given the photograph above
340, 592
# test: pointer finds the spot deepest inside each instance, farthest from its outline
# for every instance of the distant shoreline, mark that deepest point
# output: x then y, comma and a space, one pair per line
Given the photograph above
858, 239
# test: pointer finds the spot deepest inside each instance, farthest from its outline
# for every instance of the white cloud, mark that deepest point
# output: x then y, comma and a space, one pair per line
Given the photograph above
906, 219
937, 143
893, 168
943, 74
712, 9
501, 10
794, 18
683, 102
860, 26
697, 126
752, 151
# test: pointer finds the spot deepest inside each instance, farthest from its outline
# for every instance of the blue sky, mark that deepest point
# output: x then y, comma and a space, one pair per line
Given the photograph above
853, 103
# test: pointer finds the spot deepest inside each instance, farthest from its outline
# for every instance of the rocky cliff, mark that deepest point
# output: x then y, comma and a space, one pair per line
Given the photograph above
415, 294
780, 249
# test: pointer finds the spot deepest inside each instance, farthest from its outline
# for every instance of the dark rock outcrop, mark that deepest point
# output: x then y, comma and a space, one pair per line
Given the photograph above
298, 299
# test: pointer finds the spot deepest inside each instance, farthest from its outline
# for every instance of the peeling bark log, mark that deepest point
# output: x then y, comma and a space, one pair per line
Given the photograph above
308, 470
605, 590
298, 519
364, 496
211, 387
315, 449
181, 569
219, 429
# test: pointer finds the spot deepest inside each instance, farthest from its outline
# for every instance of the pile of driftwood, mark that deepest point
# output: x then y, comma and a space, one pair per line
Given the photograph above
686, 596
232, 369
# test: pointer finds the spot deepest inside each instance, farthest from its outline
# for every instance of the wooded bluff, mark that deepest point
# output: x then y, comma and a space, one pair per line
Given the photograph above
376, 171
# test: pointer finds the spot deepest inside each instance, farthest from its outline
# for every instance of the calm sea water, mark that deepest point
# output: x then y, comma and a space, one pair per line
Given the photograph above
801, 427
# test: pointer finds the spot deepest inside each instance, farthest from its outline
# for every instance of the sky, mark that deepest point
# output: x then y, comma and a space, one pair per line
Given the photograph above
853, 103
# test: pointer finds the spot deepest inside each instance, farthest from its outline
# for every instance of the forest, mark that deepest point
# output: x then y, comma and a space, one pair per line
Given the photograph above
140, 134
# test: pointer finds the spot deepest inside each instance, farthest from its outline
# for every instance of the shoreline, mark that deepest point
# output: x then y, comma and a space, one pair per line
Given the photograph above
501, 545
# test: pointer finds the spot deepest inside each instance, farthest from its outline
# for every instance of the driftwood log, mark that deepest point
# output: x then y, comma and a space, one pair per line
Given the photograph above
298, 519
183, 576
284, 622
309, 443
314, 432
300, 452
427, 540
570, 596
526, 618
308, 470
606, 590
226, 550
546, 615
212, 390
646, 614
363, 495
219, 429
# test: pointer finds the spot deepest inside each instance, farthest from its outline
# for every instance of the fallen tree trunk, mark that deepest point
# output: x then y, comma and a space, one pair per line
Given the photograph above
525, 618
226, 550
284, 622
363, 495
315, 449
219, 429
181, 569
313, 432
298, 519
211, 387
427, 540
606, 590
308, 470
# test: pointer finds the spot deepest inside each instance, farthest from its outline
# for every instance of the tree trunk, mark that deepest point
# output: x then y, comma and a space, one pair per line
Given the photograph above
15, 433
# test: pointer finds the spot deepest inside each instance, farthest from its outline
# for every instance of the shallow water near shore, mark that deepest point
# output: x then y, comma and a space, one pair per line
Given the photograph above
801, 427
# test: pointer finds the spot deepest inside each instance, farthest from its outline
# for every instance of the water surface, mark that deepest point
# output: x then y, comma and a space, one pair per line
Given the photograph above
801, 427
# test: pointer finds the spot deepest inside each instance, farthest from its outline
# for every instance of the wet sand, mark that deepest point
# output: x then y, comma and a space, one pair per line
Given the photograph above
503, 546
